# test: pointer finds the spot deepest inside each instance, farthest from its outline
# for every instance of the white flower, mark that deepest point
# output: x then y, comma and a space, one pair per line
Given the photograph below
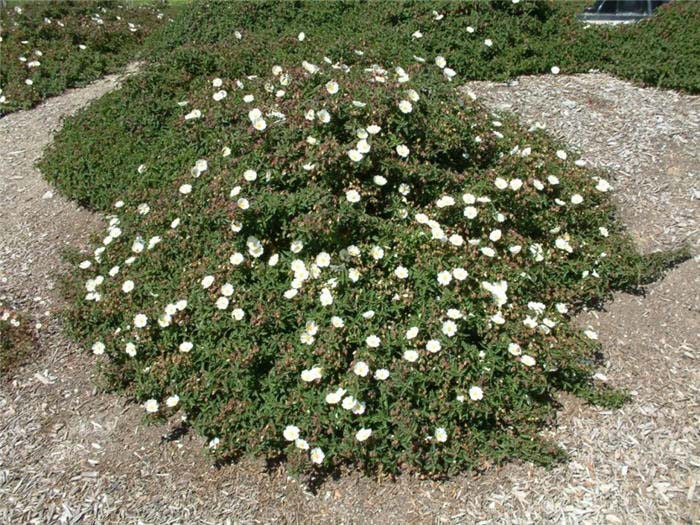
348, 402
555, 70
355, 155
445, 201
217, 83
402, 150
591, 334
498, 291
227, 290
444, 278
335, 397
185, 347
498, 318
214, 443
417, 34
312, 374
563, 244
515, 184
456, 240
603, 185
130, 349
561, 154
377, 252
222, 303
514, 349
140, 321
301, 37
352, 196
476, 393
207, 281
460, 274
151, 406
433, 346
440, 62
326, 297
381, 374
449, 328
361, 369
470, 212
236, 259
411, 356
317, 455
250, 175
195, 113
373, 129
405, 106
363, 434
470, 29
291, 433
453, 313
237, 314
301, 444
576, 199
332, 87
324, 116
243, 203
172, 401
440, 435
363, 146
219, 95
501, 183
561, 308
401, 272
411, 333
373, 341
98, 348
127, 286
488, 42
379, 180
527, 360
260, 124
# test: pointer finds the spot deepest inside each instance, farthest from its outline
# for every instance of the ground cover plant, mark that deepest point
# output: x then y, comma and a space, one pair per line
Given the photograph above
319, 248
483, 40
357, 265
47, 47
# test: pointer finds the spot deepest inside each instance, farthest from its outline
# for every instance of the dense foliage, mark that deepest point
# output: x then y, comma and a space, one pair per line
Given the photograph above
356, 262
47, 47
319, 248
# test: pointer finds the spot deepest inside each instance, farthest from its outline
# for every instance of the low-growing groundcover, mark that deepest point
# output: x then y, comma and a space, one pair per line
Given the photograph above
48, 46
95, 156
355, 265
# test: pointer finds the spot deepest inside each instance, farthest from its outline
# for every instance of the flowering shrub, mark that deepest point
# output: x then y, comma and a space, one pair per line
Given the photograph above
353, 265
47, 47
